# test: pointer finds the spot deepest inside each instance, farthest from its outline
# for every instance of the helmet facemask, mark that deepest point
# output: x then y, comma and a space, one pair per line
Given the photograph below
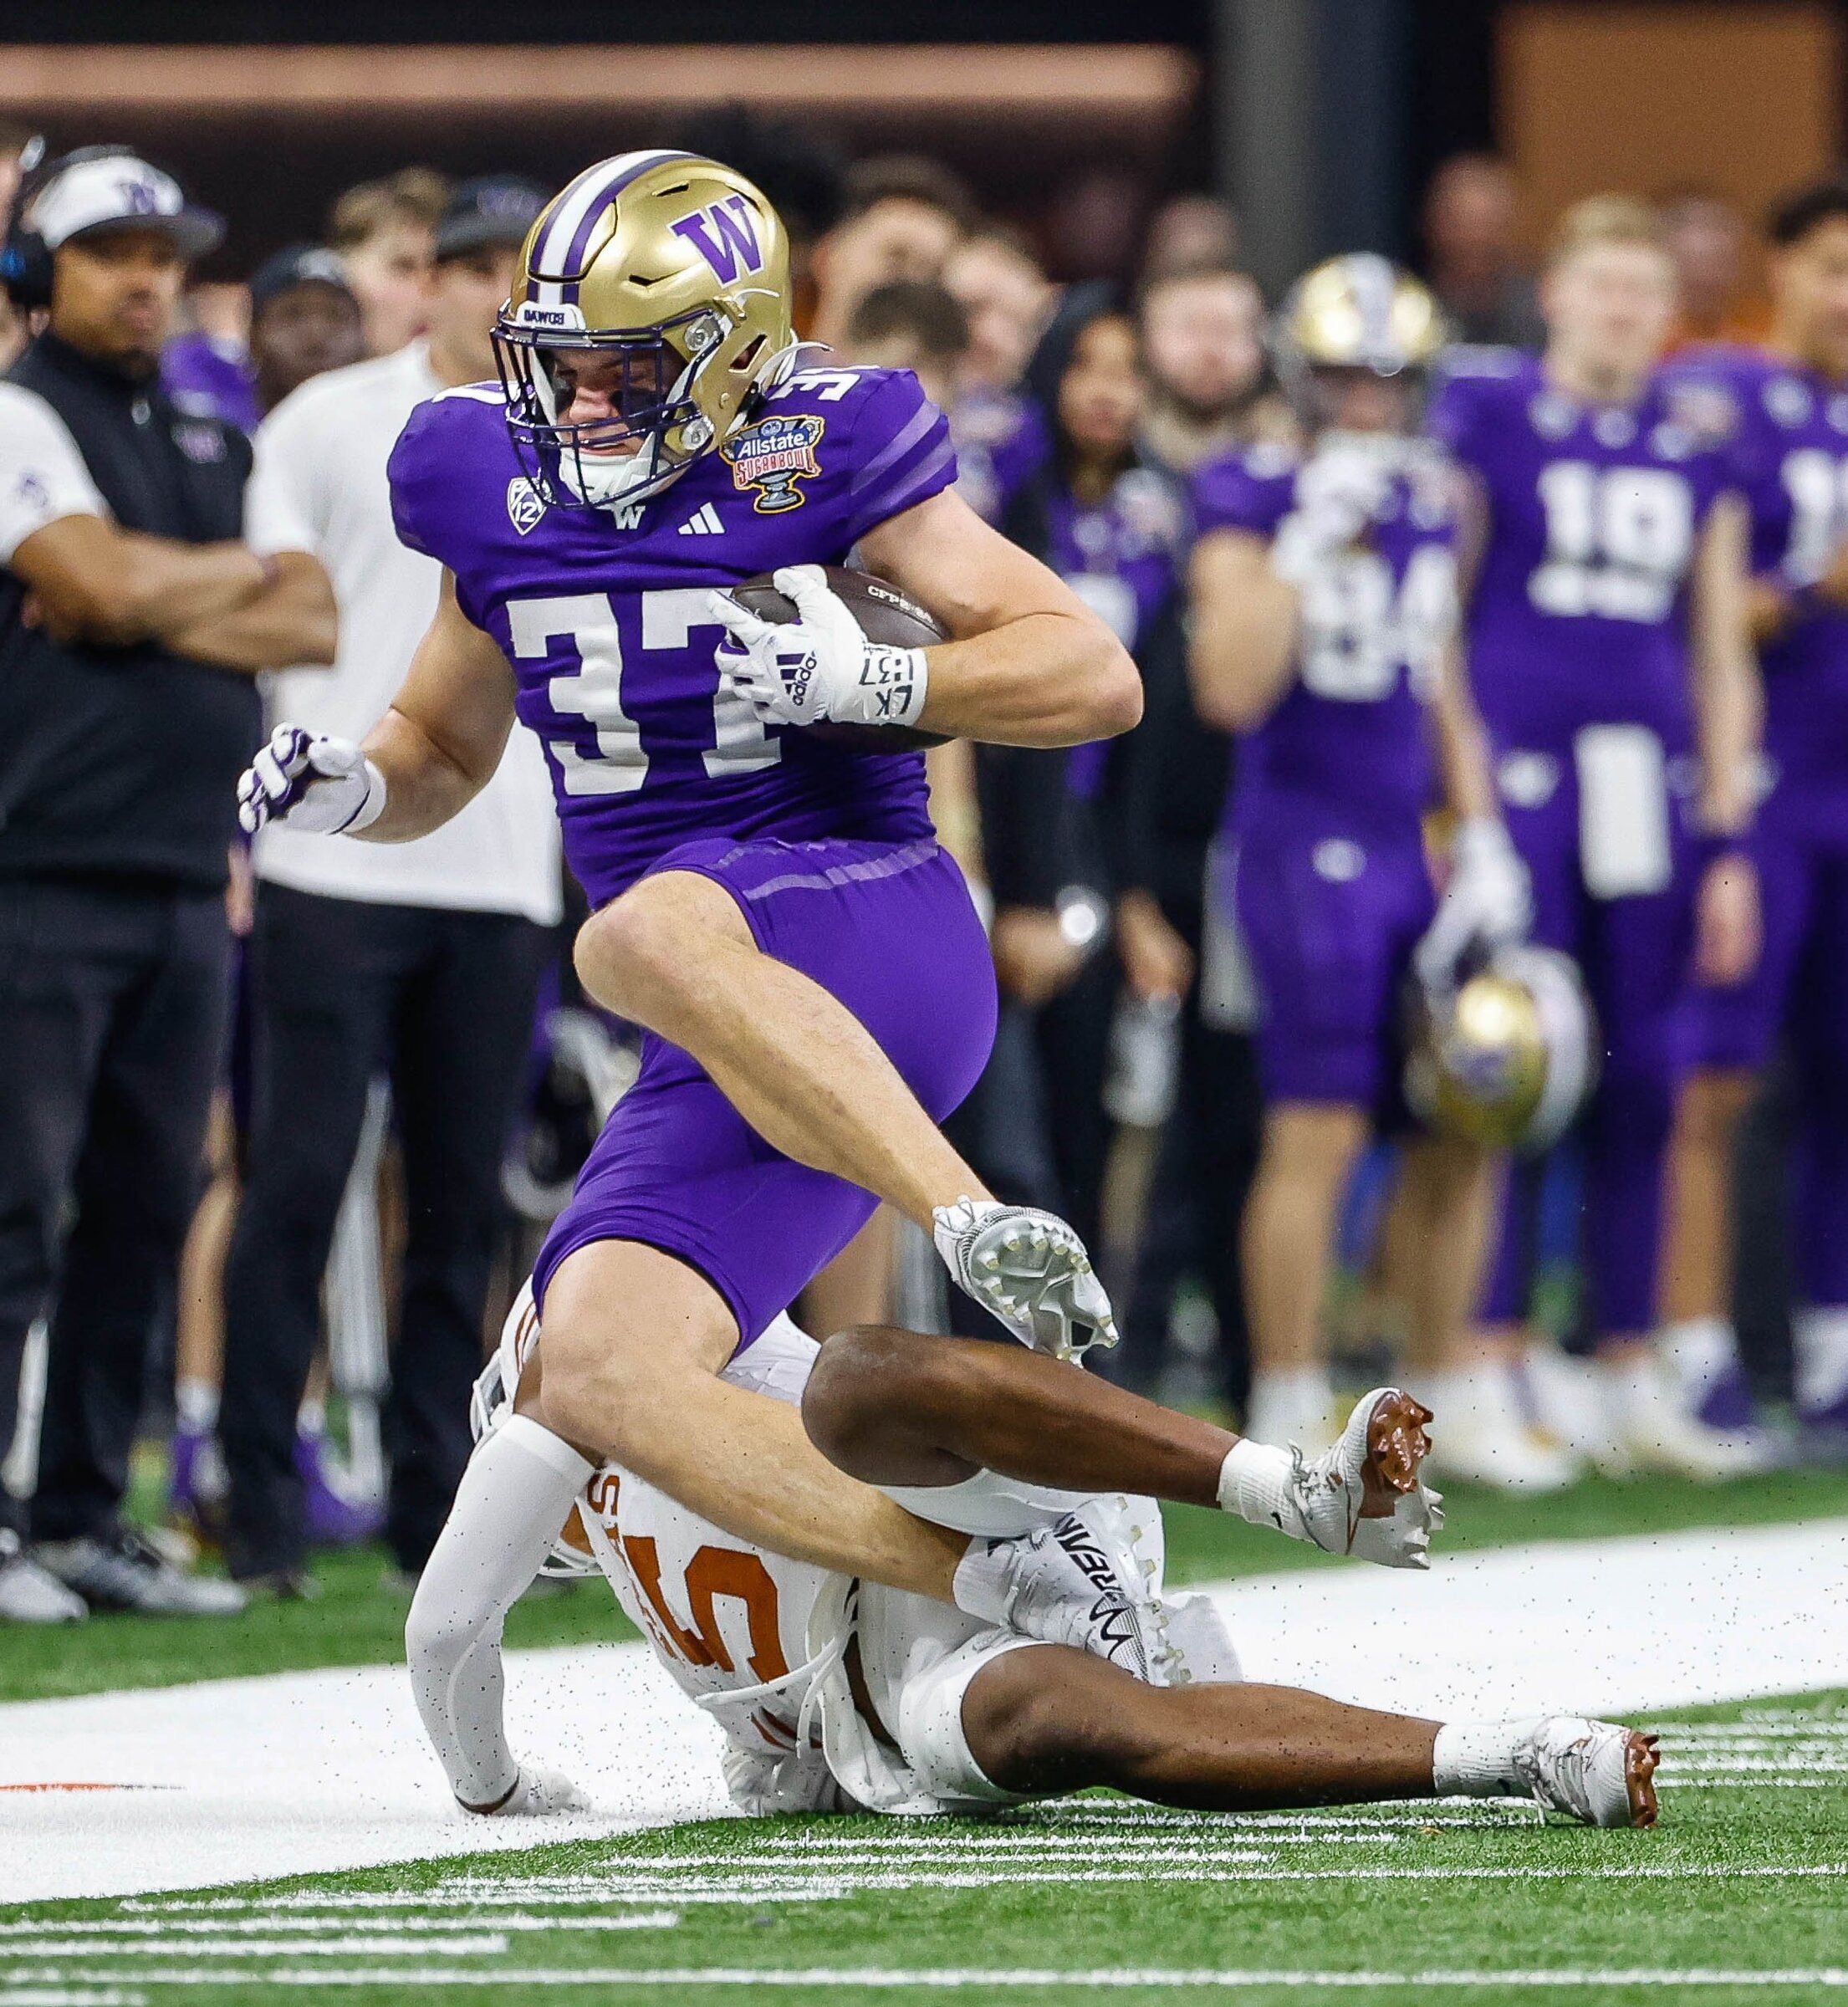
652, 401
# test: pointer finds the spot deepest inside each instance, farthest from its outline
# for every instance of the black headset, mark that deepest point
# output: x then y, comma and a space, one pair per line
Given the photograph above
25, 257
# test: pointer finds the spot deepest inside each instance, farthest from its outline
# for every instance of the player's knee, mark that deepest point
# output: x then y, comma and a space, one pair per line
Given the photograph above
850, 1387
1028, 1729
633, 957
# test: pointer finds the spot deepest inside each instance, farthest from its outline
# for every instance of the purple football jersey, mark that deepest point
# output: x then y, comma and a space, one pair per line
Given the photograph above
1789, 430
208, 379
1351, 735
1578, 615
602, 612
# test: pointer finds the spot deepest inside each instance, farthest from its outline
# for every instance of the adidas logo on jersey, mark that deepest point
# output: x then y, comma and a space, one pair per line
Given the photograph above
704, 521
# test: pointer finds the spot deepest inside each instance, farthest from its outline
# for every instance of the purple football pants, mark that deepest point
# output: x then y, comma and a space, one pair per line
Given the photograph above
887, 928
1330, 913
1799, 989
1635, 953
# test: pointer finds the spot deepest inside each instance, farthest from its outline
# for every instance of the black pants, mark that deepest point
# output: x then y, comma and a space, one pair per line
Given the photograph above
113, 1004
442, 1002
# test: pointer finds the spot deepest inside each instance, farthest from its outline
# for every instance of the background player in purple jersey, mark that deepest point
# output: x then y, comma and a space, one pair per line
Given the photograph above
1608, 653
1789, 408
771, 906
1325, 595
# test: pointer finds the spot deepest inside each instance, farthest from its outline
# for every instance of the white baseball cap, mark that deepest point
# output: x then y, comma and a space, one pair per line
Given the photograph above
109, 190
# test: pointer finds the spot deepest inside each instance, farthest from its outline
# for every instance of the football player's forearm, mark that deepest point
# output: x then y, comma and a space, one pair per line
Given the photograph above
1728, 711
1242, 659
293, 623
1046, 679
1463, 750
425, 784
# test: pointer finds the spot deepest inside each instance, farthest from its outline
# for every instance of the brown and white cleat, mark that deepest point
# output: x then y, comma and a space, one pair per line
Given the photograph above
1027, 1269
1598, 1772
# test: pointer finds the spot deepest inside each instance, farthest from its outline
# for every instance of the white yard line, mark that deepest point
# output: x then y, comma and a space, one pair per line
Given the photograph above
308, 1771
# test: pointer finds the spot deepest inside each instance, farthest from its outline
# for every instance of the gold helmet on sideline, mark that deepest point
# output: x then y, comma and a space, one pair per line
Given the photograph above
1507, 1058
1357, 312
680, 268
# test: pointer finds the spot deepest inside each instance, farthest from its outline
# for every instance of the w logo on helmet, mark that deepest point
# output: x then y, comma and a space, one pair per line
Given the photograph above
725, 235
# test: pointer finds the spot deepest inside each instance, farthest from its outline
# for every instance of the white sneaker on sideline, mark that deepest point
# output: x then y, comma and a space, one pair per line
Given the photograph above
1480, 1435
1658, 1434
30, 1596
1296, 1407
1569, 1404
1600, 1773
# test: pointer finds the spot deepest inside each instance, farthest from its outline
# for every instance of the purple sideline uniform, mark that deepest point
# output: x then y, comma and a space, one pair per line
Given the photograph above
1332, 888
208, 379
1576, 635
1122, 559
830, 855
1790, 444
1001, 443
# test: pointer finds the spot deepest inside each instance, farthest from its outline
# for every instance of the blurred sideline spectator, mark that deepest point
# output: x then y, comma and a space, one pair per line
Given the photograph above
1185, 232
418, 959
1473, 260
383, 231
18, 146
1707, 240
300, 318
1052, 819
902, 216
131, 621
1203, 340
205, 370
911, 324
1004, 291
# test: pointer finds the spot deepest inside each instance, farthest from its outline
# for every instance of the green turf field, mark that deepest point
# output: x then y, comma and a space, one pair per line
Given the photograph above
359, 1618
1738, 1897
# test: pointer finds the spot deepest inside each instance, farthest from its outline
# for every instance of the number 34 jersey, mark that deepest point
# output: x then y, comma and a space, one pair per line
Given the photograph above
603, 615
1578, 614
1351, 735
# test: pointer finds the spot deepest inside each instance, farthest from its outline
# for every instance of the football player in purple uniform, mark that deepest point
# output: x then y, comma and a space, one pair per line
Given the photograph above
769, 903
1789, 409
1324, 613
1609, 656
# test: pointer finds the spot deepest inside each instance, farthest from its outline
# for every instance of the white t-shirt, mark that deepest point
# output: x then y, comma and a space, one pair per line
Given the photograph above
320, 486
42, 474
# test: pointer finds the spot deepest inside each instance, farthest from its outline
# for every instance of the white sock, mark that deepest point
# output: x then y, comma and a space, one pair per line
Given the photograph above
1699, 1352
1476, 1759
1254, 1485
311, 1418
1821, 1344
196, 1405
1292, 1405
511, 1504
983, 1584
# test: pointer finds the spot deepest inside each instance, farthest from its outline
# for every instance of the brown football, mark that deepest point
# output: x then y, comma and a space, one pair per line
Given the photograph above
885, 616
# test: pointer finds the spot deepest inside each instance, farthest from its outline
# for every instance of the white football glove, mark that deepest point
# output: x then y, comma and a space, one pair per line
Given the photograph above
312, 782
820, 665
1487, 901
1321, 1502
539, 1794
1339, 490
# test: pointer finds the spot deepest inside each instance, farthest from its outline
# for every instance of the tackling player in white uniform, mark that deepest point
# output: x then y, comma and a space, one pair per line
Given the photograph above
840, 1696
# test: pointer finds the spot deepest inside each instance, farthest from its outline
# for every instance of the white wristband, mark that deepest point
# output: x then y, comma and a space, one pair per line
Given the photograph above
891, 688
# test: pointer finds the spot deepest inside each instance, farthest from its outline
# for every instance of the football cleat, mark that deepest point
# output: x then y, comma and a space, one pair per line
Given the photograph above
1058, 1584
1602, 1774
1362, 1496
537, 1794
1027, 1269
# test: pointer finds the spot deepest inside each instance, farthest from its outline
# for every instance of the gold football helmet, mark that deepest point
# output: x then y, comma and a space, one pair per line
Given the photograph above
1361, 312
679, 268
1507, 1058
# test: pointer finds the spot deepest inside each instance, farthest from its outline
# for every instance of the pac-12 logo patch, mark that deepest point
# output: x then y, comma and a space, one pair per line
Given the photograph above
525, 504
772, 456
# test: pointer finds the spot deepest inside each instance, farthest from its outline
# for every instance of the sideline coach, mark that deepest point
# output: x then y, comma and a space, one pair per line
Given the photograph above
132, 619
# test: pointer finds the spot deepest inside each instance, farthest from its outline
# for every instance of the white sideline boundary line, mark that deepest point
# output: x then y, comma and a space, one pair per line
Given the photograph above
952, 1980
305, 1772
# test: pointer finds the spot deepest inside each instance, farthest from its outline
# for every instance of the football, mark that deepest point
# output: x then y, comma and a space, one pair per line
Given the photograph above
885, 616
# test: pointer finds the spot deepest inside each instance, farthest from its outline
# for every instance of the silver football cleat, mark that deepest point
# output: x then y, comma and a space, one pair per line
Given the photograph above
1028, 1269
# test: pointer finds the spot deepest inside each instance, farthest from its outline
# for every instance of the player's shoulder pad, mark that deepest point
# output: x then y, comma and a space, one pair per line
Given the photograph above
445, 442
1717, 391
873, 439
